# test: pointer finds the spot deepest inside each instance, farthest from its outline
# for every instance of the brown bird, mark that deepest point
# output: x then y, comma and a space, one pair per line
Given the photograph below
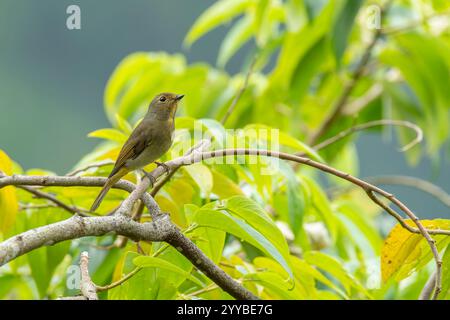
148, 141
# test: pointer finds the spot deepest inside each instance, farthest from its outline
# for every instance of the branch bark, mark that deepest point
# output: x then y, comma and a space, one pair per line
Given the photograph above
87, 287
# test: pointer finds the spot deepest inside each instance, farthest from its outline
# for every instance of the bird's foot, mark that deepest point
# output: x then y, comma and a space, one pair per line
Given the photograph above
165, 166
150, 177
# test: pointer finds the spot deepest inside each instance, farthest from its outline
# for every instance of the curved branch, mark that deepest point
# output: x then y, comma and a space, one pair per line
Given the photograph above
413, 182
54, 200
14, 247
87, 287
376, 123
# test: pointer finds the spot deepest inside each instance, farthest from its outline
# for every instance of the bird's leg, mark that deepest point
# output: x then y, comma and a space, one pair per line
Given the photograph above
165, 166
150, 177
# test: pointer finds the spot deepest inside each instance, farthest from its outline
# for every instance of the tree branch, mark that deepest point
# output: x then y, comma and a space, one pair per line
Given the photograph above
87, 287
162, 229
54, 200
375, 123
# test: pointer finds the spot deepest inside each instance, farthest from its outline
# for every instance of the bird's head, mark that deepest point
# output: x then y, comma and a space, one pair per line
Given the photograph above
164, 105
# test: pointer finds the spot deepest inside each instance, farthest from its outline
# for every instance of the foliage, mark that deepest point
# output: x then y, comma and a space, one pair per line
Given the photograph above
281, 234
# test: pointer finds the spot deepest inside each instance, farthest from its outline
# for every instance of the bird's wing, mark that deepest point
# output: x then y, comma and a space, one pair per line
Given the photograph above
133, 147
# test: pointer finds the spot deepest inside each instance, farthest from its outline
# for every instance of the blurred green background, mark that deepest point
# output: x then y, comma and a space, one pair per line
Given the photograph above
52, 81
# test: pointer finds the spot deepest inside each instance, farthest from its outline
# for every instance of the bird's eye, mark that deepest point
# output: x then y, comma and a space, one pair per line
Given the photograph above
162, 99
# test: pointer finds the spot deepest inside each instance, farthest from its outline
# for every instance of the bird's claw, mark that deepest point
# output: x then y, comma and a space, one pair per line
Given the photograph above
165, 166
150, 177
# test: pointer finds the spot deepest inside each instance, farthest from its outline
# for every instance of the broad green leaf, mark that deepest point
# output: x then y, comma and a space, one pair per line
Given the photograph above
128, 68
44, 260
343, 25
202, 176
304, 287
365, 230
224, 187
223, 221
220, 12
297, 44
8, 199
137, 287
445, 275
151, 262
336, 270
404, 252
109, 134
295, 198
307, 68
249, 211
235, 38
301, 268
321, 205
123, 125
277, 287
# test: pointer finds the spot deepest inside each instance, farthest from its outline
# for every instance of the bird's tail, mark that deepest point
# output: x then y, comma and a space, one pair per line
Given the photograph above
108, 185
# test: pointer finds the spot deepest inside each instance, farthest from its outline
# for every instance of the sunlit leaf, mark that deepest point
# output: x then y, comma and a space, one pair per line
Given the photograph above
219, 13
404, 252
151, 262
8, 199
109, 134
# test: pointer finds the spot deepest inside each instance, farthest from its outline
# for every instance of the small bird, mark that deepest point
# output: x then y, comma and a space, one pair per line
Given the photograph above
148, 141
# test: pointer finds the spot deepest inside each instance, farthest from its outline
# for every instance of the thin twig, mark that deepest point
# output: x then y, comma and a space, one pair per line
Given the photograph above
118, 282
90, 166
58, 203
413, 182
87, 287
413, 24
383, 122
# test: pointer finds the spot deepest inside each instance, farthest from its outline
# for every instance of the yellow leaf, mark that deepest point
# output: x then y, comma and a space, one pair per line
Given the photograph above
403, 251
8, 198
169, 206
224, 187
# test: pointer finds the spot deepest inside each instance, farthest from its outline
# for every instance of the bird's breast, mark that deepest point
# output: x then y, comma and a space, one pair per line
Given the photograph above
160, 143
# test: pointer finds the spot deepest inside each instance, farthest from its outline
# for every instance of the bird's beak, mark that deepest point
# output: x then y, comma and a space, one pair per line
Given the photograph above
179, 97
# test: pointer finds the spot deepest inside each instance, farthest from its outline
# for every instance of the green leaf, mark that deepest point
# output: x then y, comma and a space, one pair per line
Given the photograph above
302, 268
128, 69
295, 198
249, 211
361, 228
276, 286
224, 187
321, 205
109, 134
235, 38
123, 125
44, 260
202, 176
151, 262
224, 221
219, 13
335, 269
343, 26
297, 44
445, 275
